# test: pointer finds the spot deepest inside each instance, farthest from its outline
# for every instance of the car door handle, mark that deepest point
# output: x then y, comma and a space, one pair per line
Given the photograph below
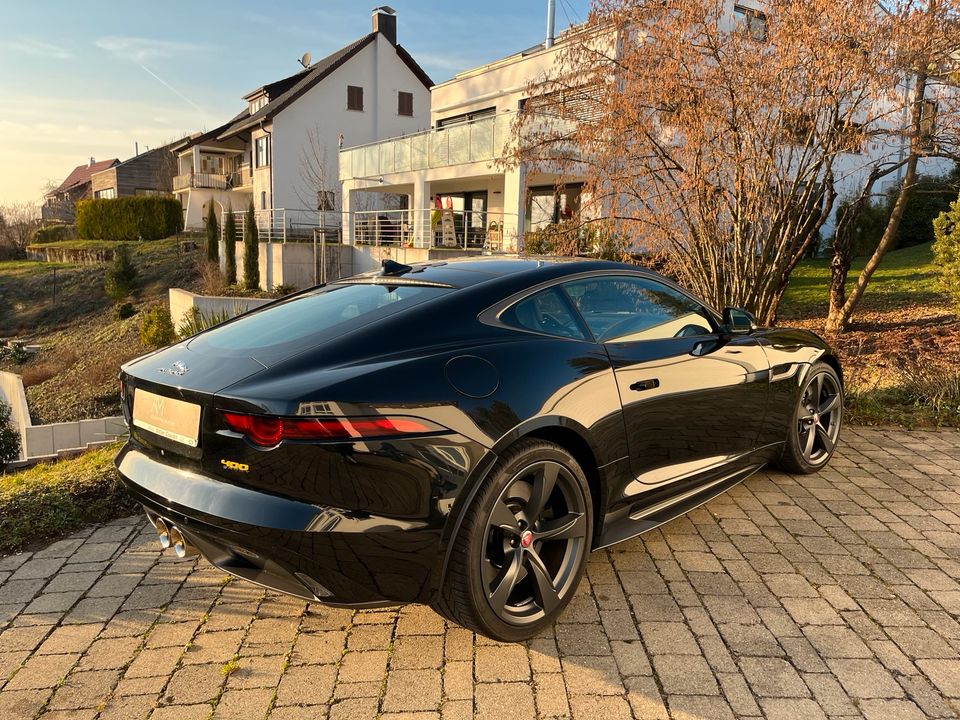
642, 385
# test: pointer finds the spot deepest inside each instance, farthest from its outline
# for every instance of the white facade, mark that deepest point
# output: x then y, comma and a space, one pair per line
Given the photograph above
302, 119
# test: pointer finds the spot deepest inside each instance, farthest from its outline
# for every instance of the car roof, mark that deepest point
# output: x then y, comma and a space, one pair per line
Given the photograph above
464, 272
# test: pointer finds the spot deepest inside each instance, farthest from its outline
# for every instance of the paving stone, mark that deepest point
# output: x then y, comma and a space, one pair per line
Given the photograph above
685, 675
307, 685
243, 704
84, 690
495, 701
945, 674
409, 690
773, 677
502, 663
865, 679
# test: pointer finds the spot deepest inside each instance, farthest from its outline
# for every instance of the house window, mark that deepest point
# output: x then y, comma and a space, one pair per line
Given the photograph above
258, 103
405, 103
263, 200
752, 20
354, 98
262, 150
325, 200
105, 194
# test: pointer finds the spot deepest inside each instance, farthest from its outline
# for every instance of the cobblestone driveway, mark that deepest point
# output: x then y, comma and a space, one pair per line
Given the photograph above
836, 595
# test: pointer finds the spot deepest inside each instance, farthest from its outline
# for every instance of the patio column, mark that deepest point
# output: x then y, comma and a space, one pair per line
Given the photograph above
346, 214
421, 207
514, 207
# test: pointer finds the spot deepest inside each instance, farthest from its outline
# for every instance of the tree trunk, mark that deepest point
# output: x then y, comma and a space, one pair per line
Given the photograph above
841, 311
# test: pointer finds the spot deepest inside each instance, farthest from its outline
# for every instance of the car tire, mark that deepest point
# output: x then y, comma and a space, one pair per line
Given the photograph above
814, 427
522, 546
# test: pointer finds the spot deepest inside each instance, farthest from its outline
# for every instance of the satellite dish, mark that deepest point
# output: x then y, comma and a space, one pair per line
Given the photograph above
305, 60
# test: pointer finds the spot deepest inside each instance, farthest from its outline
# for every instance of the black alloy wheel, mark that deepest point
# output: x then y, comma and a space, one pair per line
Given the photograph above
815, 428
534, 544
523, 546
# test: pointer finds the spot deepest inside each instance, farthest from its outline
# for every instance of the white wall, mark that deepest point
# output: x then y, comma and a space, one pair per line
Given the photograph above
382, 74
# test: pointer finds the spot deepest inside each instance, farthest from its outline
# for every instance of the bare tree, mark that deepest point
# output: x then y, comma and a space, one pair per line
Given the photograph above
20, 220
926, 43
318, 184
713, 139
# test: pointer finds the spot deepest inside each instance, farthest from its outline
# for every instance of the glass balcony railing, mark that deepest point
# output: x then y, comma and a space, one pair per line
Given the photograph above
482, 140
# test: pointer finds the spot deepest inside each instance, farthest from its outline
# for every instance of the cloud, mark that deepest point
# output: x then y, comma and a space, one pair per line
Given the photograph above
29, 46
142, 50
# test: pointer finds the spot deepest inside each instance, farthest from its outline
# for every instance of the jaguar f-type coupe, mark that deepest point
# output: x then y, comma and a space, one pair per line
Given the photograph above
463, 433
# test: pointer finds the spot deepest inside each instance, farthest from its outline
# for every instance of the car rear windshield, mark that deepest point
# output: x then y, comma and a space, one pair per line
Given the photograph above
309, 319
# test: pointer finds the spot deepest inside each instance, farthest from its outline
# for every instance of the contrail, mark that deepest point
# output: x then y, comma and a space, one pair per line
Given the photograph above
172, 89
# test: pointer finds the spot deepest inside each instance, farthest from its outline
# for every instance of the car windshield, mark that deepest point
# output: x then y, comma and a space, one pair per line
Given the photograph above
314, 316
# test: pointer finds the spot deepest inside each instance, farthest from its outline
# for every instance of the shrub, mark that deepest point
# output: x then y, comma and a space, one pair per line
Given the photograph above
39, 372
125, 310
211, 281
946, 250
55, 233
283, 290
213, 234
930, 383
251, 251
230, 248
144, 217
15, 351
195, 322
119, 280
156, 328
931, 195
9, 437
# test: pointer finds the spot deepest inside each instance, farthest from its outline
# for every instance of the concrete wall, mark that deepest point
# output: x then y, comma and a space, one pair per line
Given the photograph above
12, 395
41, 442
181, 301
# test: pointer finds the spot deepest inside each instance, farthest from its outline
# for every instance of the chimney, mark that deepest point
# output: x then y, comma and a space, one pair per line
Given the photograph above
385, 22
92, 161
551, 22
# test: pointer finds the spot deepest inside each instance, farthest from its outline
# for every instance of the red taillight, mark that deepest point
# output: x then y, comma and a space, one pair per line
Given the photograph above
269, 431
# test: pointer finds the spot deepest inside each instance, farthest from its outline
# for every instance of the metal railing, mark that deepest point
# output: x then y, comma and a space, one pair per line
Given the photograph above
494, 232
283, 224
213, 181
477, 141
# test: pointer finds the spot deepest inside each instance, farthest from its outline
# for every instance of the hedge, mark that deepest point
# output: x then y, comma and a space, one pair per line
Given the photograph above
55, 233
148, 217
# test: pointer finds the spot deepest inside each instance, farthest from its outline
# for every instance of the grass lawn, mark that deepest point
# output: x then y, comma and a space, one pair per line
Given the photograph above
78, 245
52, 499
906, 277
29, 268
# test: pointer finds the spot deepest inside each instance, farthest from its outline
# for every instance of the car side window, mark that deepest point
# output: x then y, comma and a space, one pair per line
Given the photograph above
546, 312
627, 309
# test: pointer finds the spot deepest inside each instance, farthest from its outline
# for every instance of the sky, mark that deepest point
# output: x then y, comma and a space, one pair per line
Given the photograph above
81, 80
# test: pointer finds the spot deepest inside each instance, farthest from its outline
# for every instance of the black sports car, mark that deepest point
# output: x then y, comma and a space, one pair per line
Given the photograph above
463, 433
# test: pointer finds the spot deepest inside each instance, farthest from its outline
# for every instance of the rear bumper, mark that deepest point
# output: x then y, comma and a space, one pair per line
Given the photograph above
326, 554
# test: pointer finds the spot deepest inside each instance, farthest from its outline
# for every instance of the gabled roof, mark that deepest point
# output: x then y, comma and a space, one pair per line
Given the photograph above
146, 153
81, 175
199, 137
285, 91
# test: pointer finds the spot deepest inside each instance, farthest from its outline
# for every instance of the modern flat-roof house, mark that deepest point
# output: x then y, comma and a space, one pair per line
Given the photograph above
147, 173
453, 165
280, 152
460, 195
58, 205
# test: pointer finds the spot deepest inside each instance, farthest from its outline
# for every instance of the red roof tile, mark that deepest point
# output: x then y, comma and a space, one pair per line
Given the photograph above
81, 174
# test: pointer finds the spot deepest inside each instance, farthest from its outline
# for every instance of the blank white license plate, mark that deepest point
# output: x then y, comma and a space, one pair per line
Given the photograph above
168, 417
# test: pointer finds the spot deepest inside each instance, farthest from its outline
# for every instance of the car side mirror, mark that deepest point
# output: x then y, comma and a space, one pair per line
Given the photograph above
738, 321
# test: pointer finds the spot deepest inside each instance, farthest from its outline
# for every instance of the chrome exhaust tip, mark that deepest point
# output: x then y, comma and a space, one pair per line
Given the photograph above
163, 532
181, 546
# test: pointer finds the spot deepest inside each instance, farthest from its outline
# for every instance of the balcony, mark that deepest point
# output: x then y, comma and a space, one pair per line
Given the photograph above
212, 181
455, 230
482, 140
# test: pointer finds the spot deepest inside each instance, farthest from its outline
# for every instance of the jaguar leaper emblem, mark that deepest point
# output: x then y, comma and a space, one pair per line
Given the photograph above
177, 368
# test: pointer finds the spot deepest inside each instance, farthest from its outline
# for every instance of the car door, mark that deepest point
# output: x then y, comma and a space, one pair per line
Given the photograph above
693, 398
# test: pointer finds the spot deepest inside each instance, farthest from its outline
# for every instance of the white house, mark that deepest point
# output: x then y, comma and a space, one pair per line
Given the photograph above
280, 152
